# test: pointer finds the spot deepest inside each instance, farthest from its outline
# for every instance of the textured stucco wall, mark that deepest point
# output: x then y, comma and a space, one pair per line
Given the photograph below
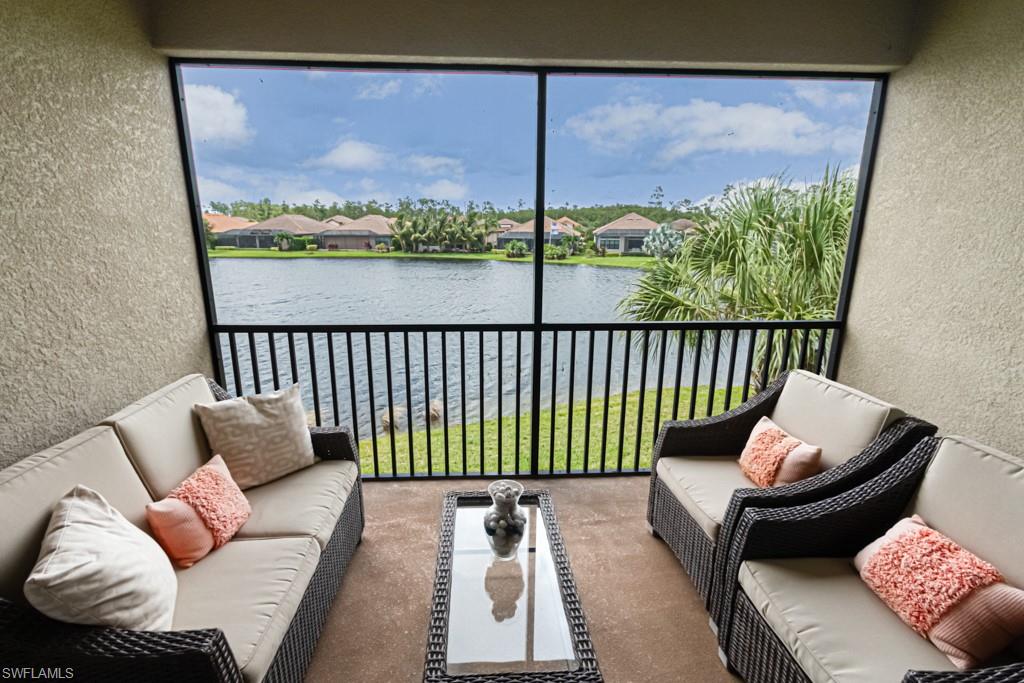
99, 294
862, 35
936, 321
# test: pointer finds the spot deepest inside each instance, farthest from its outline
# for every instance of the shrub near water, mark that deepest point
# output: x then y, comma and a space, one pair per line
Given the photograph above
515, 249
555, 253
663, 242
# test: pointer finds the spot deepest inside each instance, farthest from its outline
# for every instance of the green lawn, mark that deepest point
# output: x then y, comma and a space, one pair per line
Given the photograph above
508, 440
614, 261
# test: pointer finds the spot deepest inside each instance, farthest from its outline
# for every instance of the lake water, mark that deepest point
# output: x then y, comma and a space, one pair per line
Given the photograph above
358, 291
361, 291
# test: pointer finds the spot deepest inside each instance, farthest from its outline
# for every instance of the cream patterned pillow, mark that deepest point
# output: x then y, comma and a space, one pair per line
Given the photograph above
261, 437
95, 567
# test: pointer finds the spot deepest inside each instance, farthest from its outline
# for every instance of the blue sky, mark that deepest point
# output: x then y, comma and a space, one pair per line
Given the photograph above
299, 135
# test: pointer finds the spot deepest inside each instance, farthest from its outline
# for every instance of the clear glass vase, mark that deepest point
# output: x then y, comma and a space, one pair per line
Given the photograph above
505, 521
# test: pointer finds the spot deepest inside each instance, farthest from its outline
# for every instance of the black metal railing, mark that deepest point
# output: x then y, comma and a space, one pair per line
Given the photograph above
464, 400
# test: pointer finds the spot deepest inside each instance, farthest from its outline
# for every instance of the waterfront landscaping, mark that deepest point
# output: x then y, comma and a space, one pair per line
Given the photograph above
471, 433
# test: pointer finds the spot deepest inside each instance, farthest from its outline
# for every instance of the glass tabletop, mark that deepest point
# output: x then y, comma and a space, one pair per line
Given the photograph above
505, 615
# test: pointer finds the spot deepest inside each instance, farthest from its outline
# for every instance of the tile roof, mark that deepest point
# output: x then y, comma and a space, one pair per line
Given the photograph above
631, 221
527, 228
220, 222
370, 224
293, 223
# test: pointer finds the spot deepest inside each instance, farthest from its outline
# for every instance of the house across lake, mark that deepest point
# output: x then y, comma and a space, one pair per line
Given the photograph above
624, 235
554, 232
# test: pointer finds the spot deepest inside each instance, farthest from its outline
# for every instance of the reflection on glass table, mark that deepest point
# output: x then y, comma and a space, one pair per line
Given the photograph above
505, 615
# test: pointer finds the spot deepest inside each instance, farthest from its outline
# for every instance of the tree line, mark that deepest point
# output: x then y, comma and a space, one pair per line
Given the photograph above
589, 216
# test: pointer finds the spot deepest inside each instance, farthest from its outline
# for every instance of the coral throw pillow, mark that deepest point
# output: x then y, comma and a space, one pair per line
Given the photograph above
204, 512
774, 458
261, 437
944, 592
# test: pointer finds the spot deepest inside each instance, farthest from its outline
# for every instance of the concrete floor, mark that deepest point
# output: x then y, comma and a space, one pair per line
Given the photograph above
646, 620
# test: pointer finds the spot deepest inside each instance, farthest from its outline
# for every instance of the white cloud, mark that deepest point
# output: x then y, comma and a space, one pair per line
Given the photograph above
444, 189
297, 190
427, 164
313, 75
379, 90
368, 185
366, 189
353, 155
821, 96
213, 190
429, 84
234, 174
217, 116
706, 126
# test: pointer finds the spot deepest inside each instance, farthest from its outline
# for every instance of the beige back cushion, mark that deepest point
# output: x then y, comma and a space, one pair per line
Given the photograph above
843, 421
163, 436
30, 488
975, 495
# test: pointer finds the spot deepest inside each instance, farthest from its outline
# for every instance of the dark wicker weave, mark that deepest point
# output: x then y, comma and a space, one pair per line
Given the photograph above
835, 527
435, 669
897, 440
300, 640
757, 652
684, 536
29, 639
1011, 673
725, 435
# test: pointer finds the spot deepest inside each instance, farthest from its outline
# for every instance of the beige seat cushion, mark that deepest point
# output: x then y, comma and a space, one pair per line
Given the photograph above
30, 488
704, 486
162, 436
250, 589
835, 627
839, 419
975, 495
304, 503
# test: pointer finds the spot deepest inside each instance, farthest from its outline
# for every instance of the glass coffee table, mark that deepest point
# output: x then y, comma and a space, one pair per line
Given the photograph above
515, 619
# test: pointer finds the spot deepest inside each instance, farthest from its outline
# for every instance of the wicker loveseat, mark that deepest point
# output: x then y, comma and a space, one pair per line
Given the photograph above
798, 610
698, 491
250, 611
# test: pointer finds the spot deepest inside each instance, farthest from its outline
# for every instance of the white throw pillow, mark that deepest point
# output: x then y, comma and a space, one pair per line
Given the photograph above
261, 437
95, 567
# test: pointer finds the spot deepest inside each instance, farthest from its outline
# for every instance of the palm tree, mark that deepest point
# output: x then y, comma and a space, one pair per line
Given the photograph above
769, 252
404, 230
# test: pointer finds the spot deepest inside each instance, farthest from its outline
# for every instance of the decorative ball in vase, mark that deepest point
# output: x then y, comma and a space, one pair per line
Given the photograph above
505, 521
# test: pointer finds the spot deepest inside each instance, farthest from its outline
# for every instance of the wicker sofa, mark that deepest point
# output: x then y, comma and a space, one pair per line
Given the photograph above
698, 491
251, 611
797, 609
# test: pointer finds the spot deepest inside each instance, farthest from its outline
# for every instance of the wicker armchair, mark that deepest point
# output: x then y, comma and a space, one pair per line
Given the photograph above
32, 641
839, 527
723, 436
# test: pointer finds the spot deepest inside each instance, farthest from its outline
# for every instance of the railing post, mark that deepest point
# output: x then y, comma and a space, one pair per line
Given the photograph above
538, 275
